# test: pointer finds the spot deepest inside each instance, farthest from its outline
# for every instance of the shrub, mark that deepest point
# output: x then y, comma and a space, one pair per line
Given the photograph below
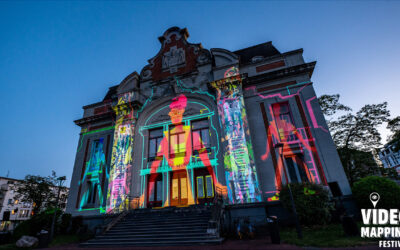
388, 191
65, 223
23, 228
311, 200
35, 224
76, 223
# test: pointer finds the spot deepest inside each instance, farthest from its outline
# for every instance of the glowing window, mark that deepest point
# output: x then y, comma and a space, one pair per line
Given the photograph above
201, 128
175, 187
284, 121
183, 188
155, 139
96, 155
177, 143
152, 191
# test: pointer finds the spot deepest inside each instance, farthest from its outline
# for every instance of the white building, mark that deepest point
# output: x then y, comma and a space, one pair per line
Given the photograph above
12, 210
390, 158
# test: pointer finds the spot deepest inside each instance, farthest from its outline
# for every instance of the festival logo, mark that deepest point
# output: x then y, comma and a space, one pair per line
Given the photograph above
381, 223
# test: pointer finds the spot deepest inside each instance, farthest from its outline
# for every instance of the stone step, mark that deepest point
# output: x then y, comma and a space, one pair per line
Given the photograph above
158, 232
165, 221
167, 227
158, 243
149, 235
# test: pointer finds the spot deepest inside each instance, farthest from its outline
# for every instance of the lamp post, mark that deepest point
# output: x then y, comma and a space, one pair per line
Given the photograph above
296, 218
60, 182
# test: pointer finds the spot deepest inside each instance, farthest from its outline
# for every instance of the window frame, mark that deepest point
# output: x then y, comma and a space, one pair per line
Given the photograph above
158, 141
199, 131
286, 133
172, 153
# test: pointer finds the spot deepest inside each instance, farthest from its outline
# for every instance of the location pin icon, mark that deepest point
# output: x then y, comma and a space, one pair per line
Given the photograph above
374, 197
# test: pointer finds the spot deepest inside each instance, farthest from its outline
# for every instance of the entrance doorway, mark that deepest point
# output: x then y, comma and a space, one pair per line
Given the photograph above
179, 188
154, 191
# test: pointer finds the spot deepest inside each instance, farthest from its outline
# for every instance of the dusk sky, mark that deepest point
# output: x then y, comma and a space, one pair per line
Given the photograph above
56, 57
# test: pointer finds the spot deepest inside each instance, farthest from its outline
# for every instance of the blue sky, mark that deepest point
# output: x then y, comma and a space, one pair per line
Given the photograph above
57, 56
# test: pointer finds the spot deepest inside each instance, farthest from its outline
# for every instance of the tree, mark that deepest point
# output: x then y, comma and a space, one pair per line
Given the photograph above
39, 190
359, 130
394, 126
355, 133
361, 164
330, 104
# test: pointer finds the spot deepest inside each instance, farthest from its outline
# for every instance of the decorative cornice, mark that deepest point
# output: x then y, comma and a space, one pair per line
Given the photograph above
94, 118
290, 71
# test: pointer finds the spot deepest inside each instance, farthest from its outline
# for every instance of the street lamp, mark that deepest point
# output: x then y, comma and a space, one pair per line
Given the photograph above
298, 228
60, 181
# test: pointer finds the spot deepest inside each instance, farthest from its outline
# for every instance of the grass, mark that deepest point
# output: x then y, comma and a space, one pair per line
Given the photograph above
64, 239
323, 236
8, 246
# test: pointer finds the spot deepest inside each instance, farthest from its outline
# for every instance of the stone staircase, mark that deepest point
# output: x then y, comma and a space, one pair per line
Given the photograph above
170, 226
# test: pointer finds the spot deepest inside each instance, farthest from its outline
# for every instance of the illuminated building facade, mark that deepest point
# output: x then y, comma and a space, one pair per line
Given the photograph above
197, 122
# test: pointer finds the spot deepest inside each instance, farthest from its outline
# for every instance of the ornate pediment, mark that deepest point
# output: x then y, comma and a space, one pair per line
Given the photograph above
177, 56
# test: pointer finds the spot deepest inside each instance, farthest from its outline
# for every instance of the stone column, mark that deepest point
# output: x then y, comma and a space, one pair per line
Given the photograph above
240, 170
121, 158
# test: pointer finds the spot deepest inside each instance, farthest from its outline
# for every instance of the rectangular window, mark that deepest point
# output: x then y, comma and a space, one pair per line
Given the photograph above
200, 135
183, 188
209, 186
200, 187
284, 121
177, 143
175, 188
159, 192
295, 168
155, 139
152, 191
96, 156
91, 193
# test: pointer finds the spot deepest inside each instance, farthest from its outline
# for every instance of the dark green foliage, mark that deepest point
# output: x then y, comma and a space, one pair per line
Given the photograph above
38, 190
311, 200
35, 224
65, 223
394, 127
356, 132
330, 104
76, 223
388, 190
357, 164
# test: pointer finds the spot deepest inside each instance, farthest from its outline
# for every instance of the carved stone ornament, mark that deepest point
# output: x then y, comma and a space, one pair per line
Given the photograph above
173, 59
146, 74
203, 58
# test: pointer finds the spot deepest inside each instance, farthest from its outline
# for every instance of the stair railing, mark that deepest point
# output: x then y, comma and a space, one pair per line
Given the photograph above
216, 221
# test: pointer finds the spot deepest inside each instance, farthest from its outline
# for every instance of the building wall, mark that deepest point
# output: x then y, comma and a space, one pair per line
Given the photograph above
390, 158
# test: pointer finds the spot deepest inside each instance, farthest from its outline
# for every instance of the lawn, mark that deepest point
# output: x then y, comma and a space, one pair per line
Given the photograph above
323, 236
7, 246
